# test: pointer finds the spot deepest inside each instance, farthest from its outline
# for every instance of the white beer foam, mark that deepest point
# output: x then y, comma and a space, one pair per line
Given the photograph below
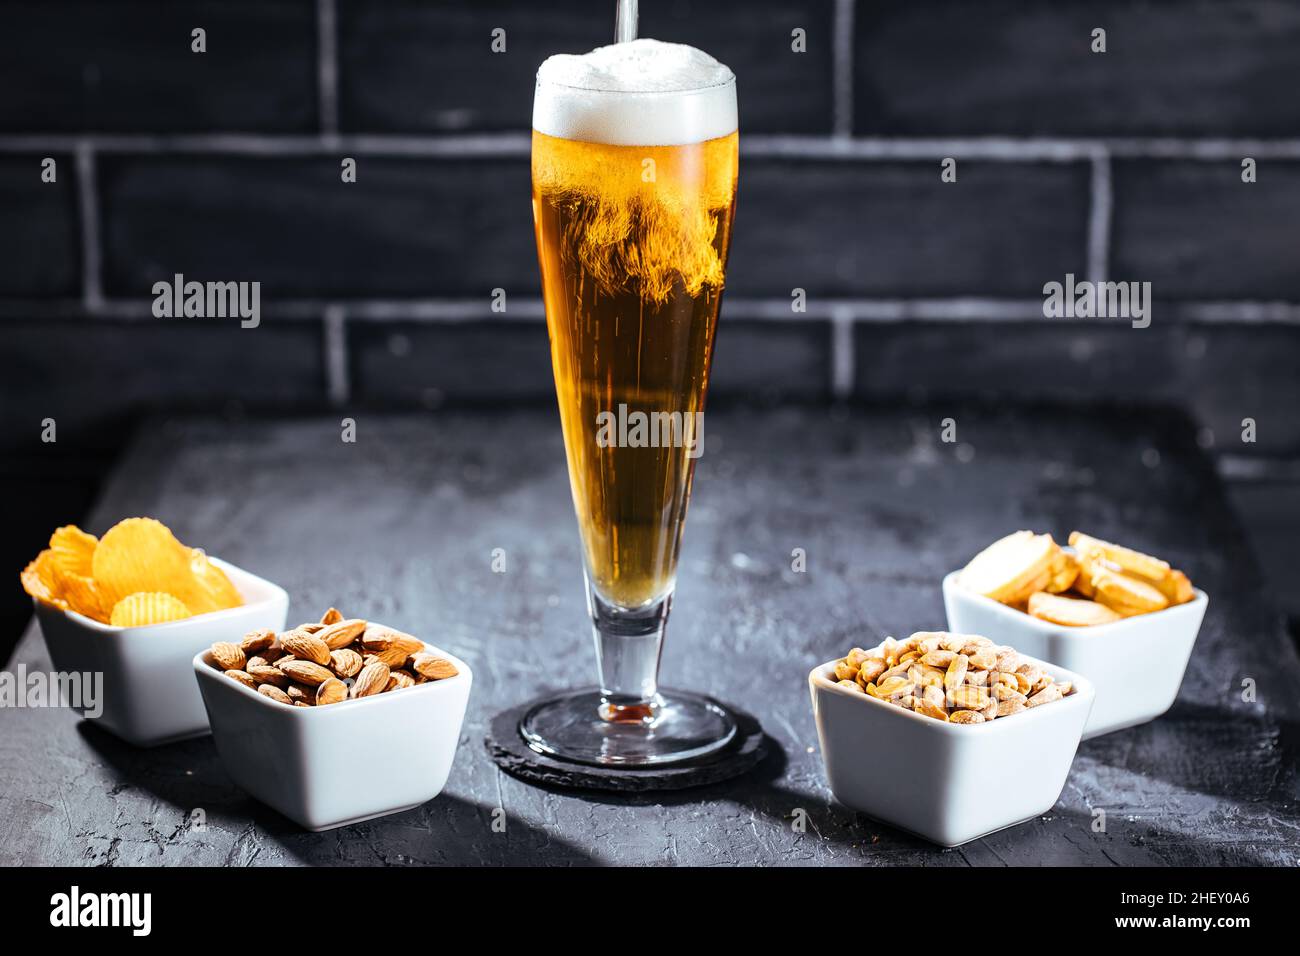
642, 93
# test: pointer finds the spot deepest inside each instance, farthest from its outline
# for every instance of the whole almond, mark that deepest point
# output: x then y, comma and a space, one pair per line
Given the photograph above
373, 679
434, 668
242, 677
345, 661
342, 633
301, 703
306, 647
257, 660
266, 674
332, 616
227, 656
399, 678
311, 627
305, 672
273, 692
255, 641
272, 654
331, 692
301, 692
378, 638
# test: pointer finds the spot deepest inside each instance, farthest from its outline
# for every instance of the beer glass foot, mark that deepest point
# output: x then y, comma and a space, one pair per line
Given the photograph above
584, 727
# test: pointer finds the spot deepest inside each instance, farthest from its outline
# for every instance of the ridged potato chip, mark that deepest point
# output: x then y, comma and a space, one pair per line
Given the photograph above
137, 610
212, 590
73, 550
38, 580
80, 592
141, 554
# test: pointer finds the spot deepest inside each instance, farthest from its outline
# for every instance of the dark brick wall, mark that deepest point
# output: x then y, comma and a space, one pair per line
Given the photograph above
225, 165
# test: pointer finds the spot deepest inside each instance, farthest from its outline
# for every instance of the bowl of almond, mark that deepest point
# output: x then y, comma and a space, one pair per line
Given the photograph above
335, 721
1124, 618
948, 736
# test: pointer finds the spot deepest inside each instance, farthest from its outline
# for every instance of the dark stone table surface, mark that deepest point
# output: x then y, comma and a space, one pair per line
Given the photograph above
401, 527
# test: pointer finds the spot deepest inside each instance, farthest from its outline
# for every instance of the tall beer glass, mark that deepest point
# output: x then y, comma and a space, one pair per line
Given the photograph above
634, 162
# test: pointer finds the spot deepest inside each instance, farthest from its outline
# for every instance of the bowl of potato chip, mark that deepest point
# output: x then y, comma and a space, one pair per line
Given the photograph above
1121, 617
135, 606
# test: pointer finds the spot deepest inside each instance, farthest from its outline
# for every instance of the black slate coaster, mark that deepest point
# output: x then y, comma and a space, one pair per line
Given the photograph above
508, 750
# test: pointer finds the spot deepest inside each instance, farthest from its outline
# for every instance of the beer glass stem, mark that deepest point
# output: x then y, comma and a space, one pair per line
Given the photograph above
628, 644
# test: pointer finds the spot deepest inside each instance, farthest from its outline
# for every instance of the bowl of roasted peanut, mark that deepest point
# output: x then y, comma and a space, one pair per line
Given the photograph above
948, 736
335, 721
1125, 619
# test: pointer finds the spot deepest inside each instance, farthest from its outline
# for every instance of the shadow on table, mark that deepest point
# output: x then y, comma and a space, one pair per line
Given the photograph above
447, 830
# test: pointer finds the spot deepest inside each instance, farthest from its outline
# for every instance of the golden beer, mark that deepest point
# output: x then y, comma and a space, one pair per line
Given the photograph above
634, 184
633, 244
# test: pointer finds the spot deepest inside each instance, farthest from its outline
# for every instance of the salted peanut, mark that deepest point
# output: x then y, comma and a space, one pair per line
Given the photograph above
1069, 612
273, 692
939, 658
930, 709
984, 659
977, 678
934, 695
242, 677
1065, 687
1023, 683
1008, 660
849, 685
908, 657
898, 670
266, 674
855, 657
990, 709
844, 670
871, 670
1011, 568
1128, 596
332, 691
1126, 559
1006, 692
1045, 696
1065, 568
332, 616
953, 642
966, 717
967, 697
894, 687
889, 650
927, 641
907, 702
1008, 707
255, 642
956, 672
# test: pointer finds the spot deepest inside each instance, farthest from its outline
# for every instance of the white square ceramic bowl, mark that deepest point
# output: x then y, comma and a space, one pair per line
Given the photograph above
149, 696
1136, 664
948, 783
326, 767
